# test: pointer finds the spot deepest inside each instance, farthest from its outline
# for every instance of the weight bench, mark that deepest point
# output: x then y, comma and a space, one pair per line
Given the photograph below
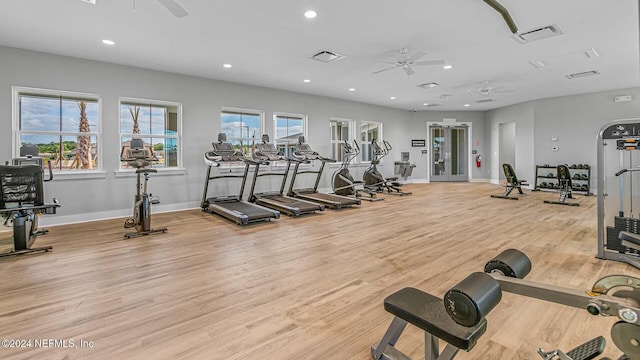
427, 312
512, 183
566, 187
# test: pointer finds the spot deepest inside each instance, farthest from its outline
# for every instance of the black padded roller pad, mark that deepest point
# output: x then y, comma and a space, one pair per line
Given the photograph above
469, 301
426, 312
511, 263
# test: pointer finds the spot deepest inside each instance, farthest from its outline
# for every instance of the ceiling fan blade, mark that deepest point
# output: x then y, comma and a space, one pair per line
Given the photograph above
379, 71
408, 70
416, 56
430, 62
174, 8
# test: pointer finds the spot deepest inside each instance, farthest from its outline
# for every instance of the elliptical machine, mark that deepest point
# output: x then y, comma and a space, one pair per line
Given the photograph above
138, 157
344, 184
374, 180
22, 199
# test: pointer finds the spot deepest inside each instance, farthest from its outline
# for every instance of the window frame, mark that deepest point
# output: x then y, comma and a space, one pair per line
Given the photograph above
368, 141
352, 136
236, 166
305, 125
18, 91
160, 103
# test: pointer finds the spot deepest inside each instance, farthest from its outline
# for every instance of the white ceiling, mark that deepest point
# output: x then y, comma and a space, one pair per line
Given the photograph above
269, 43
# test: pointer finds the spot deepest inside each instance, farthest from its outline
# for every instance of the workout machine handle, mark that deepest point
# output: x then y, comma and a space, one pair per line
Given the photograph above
50, 171
387, 146
594, 303
625, 170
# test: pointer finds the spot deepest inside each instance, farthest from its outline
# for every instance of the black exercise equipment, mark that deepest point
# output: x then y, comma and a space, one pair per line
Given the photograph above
373, 178
140, 157
231, 207
459, 318
305, 154
276, 200
565, 186
512, 183
344, 184
22, 199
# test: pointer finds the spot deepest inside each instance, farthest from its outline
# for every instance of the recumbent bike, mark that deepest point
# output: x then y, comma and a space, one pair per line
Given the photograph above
22, 199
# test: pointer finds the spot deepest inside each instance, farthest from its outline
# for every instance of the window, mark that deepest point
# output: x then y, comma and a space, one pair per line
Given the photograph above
288, 128
65, 127
369, 131
340, 132
157, 123
243, 128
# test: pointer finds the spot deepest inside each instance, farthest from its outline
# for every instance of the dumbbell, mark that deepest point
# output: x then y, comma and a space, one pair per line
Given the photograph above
573, 166
469, 301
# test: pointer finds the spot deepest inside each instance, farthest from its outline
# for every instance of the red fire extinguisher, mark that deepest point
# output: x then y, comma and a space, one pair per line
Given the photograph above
478, 160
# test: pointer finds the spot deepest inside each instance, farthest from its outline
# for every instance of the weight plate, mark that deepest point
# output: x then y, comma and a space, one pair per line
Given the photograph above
627, 338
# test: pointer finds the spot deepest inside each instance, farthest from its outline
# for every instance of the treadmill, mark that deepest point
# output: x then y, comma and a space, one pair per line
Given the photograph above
305, 154
276, 200
231, 207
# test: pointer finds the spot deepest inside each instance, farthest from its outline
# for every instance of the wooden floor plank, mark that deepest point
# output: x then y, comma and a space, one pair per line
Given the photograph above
300, 288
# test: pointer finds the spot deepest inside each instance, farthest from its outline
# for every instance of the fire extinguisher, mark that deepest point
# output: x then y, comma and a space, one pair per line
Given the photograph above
478, 160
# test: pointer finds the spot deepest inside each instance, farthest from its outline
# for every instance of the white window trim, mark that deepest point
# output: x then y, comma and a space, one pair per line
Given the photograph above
260, 113
380, 138
305, 126
352, 135
98, 173
164, 170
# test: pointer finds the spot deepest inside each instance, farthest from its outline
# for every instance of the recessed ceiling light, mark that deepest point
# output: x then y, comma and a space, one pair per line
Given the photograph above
352, 89
466, 105
228, 66
310, 14
108, 42
392, 98
425, 104
92, 2
307, 80
447, 67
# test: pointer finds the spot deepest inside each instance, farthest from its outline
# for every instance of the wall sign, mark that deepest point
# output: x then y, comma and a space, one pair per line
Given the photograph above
418, 143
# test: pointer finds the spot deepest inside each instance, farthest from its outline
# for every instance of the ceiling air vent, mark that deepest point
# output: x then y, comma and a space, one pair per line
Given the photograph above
429, 85
539, 34
484, 101
327, 56
432, 105
582, 74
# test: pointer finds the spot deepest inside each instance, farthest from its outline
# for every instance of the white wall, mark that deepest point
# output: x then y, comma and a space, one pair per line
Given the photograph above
417, 129
574, 120
202, 99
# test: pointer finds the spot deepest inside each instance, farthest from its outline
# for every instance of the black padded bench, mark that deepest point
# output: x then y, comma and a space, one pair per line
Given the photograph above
512, 183
427, 312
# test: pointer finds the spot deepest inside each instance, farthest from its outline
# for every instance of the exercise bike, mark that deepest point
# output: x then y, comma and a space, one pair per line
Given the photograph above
344, 184
22, 199
139, 157
374, 180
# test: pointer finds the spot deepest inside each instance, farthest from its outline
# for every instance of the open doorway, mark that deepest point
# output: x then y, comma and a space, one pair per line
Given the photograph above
507, 146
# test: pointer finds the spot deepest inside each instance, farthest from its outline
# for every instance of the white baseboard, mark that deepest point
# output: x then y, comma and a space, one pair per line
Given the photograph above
55, 220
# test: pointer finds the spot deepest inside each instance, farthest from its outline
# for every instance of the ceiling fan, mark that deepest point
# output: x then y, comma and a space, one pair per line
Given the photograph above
407, 61
487, 88
171, 5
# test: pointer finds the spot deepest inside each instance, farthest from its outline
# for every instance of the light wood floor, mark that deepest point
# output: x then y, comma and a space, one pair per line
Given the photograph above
300, 288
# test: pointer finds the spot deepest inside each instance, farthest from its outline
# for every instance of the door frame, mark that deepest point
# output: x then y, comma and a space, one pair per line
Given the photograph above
449, 123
